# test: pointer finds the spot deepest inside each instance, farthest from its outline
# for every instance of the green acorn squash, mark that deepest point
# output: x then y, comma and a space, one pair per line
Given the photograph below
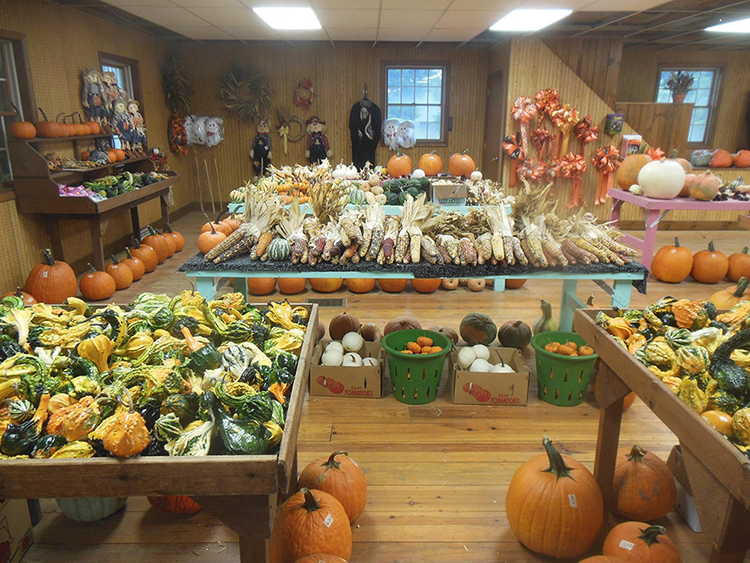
478, 328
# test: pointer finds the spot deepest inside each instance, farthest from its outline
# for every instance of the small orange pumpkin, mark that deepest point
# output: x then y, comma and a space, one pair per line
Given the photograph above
175, 504
644, 486
292, 286
431, 163
158, 243
146, 254
111, 156
641, 543
513, 283
217, 225
208, 239
326, 285
135, 264
357, 285
425, 285
461, 164
65, 129
739, 265
119, 153
97, 286
672, 264
603, 559
342, 478
729, 297
627, 173
721, 159
179, 240
392, 286
121, 273
23, 130
709, 266
400, 164
95, 129
47, 128
261, 286
232, 222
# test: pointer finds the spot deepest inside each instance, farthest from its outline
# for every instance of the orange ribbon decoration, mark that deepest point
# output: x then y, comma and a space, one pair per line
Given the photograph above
512, 147
546, 102
607, 160
564, 118
541, 139
522, 111
572, 166
531, 170
586, 133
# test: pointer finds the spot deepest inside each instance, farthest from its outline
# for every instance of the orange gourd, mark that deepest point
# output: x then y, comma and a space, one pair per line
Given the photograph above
47, 128
23, 130
729, 297
146, 254
321, 558
28, 299
158, 243
65, 129
119, 153
261, 286
719, 420
121, 273
97, 286
179, 240
175, 504
400, 165
310, 521
340, 476
627, 173
232, 222
95, 129
392, 286
356, 285
208, 239
461, 164
644, 486
554, 505
431, 163
425, 285
292, 286
650, 544
672, 264
739, 265
135, 264
721, 159
709, 266
51, 281
326, 285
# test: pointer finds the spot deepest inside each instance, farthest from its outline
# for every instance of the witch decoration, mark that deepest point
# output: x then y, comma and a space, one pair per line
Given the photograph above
318, 148
365, 120
260, 153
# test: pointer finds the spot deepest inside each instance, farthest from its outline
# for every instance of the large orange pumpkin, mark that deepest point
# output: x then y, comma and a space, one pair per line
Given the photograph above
340, 476
321, 558
23, 130
135, 264
400, 165
425, 285
171, 244
730, 296
47, 128
147, 255
739, 265
292, 286
217, 225
261, 286
431, 163
709, 266
672, 264
326, 285
51, 281
28, 299
721, 159
208, 239
121, 273
641, 543
602, 559
176, 504
392, 286
461, 164
741, 159
310, 521
158, 243
627, 173
360, 285
644, 486
97, 286
554, 505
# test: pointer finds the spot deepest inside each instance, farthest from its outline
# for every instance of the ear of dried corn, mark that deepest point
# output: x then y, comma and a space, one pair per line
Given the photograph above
260, 248
518, 252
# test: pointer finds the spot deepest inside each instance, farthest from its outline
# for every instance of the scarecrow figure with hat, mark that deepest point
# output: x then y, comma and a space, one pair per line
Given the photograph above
261, 151
317, 142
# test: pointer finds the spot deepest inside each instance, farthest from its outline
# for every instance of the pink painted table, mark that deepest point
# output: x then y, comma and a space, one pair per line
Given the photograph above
654, 210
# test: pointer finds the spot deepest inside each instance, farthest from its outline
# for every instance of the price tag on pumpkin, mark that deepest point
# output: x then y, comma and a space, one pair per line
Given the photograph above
572, 501
328, 521
625, 544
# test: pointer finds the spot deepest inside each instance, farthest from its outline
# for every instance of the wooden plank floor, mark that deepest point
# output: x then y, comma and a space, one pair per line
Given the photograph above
437, 473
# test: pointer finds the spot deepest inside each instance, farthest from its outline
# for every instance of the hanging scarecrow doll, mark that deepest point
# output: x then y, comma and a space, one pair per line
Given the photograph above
92, 96
317, 142
365, 121
111, 91
260, 154
138, 128
121, 125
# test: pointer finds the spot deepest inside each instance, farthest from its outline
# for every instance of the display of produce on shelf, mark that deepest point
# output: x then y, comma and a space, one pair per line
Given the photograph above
177, 376
112, 185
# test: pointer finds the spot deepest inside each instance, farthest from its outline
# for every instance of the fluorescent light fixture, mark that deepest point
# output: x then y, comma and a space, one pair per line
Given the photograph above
288, 18
530, 20
738, 26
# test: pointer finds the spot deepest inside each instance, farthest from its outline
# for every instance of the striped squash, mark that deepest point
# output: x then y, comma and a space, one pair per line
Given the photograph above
279, 250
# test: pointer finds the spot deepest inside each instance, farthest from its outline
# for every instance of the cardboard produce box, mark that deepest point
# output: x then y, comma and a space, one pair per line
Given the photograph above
498, 389
361, 382
15, 530
452, 193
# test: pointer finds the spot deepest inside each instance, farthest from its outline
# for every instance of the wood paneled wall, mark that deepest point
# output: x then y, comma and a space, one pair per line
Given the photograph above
661, 125
338, 76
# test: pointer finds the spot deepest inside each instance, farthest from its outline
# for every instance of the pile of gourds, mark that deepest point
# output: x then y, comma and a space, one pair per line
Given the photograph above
178, 376
702, 355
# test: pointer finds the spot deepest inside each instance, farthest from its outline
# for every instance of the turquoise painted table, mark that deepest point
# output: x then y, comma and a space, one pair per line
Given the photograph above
306, 209
619, 291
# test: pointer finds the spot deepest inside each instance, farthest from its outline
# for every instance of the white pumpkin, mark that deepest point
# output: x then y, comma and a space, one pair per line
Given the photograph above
381, 199
466, 356
476, 176
332, 358
335, 345
351, 172
339, 172
662, 179
369, 362
418, 173
353, 342
480, 365
501, 368
481, 351
352, 360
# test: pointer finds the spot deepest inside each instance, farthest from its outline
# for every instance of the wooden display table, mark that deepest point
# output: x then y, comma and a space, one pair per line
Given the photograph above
745, 221
242, 491
654, 211
718, 472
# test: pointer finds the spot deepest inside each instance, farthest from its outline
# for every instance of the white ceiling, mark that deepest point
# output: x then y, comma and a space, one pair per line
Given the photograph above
351, 20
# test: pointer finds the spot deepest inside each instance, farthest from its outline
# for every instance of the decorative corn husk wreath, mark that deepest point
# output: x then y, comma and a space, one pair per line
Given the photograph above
246, 93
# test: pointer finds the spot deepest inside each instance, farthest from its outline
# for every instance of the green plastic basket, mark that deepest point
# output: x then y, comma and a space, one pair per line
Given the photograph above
415, 378
562, 380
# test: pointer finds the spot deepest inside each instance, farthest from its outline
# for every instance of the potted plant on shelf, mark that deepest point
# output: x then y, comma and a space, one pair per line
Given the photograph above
680, 83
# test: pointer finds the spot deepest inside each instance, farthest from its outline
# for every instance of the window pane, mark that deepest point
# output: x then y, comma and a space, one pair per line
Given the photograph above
690, 97
422, 76
697, 132
394, 112
4, 126
664, 78
394, 77
407, 112
700, 116
434, 114
420, 95
407, 77
433, 130
436, 77
421, 130
702, 97
420, 113
704, 79
407, 95
664, 96
394, 94
435, 95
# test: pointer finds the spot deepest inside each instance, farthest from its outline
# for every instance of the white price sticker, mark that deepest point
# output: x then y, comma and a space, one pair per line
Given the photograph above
625, 544
572, 501
328, 521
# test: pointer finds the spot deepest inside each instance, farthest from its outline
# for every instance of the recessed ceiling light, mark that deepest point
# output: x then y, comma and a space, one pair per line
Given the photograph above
739, 26
288, 18
529, 20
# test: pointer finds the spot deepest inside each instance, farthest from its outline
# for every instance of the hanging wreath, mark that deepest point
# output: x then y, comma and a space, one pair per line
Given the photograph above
304, 95
246, 93
284, 129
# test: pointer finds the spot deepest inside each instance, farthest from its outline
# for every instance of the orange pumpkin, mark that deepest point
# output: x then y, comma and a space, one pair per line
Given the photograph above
310, 521
627, 173
425, 285
739, 265
641, 543
400, 165
179, 240
461, 164
175, 504
514, 283
28, 299
719, 420
702, 187
119, 153
340, 476
261, 286
97, 286
321, 558
95, 129
729, 297
602, 559
672, 264
121, 273
65, 129
644, 486
135, 264
721, 159
51, 281
449, 283
23, 130
709, 266
47, 128
158, 243
357, 285
171, 244
686, 166
216, 225
546, 499
741, 159
147, 255
392, 286
326, 285
208, 239
431, 163
292, 286
232, 222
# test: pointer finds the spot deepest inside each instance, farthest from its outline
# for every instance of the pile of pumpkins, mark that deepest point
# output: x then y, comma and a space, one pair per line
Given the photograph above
54, 129
430, 164
53, 281
548, 494
674, 263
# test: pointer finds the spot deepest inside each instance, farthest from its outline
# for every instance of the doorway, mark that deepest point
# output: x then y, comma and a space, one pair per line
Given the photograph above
494, 127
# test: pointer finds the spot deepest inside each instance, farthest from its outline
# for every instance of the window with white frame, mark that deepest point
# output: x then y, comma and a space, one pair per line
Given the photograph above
702, 94
10, 104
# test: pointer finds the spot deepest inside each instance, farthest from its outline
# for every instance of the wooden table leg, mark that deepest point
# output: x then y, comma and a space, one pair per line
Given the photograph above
205, 286
499, 284
610, 393
250, 516
164, 209
649, 240
615, 213
136, 222
97, 243
569, 302
621, 293
722, 517
53, 231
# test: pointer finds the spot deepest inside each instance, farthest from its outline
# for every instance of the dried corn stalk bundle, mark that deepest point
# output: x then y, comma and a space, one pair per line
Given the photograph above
327, 200
261, 216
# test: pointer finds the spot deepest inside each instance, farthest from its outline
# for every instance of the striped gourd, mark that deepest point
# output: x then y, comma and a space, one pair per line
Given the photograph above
357, 197
279, 250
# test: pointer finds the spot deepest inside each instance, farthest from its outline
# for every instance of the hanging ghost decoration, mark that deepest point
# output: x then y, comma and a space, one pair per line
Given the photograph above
214, 131
407, 135
199, 129
190, 138
390, 137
